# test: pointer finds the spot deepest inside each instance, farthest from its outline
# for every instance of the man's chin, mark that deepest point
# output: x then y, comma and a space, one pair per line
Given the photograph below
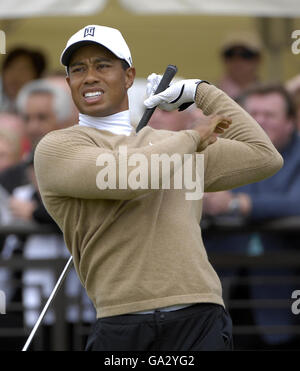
94, 112
97, 112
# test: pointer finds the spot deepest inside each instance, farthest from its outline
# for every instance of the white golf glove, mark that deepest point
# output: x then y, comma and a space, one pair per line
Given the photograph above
179, 95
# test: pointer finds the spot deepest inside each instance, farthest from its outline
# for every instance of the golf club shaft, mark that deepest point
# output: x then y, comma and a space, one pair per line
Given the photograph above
49, 301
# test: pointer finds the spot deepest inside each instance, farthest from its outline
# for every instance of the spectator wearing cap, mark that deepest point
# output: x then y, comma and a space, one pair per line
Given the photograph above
241, 57
20, 66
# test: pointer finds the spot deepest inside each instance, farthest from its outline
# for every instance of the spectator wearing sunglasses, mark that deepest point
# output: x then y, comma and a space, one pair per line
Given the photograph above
241, 56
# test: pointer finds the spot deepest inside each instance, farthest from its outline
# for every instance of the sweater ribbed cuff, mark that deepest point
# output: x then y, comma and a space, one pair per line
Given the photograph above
196, 137
201, 92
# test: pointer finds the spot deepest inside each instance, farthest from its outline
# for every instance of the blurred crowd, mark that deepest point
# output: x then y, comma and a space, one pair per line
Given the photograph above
35, 101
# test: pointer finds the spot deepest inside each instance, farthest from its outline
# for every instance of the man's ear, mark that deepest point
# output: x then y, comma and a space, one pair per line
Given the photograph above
68, 80
129, 77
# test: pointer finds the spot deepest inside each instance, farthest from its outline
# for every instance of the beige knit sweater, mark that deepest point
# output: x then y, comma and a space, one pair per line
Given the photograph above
140, 249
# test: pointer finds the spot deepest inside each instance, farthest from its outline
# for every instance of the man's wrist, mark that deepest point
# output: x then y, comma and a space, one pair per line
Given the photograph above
201, 90
196, 137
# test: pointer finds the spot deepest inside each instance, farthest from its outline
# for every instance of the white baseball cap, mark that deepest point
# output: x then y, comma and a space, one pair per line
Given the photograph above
108, 37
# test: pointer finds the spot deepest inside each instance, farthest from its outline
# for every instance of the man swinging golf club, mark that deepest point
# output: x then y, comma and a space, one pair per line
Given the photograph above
138, 250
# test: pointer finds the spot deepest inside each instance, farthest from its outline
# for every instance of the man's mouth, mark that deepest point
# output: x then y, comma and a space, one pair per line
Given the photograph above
93, 96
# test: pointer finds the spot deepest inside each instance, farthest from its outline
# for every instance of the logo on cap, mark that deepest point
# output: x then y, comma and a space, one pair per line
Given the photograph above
89, 31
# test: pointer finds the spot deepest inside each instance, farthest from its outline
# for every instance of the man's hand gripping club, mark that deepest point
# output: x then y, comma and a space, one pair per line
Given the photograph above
180, 95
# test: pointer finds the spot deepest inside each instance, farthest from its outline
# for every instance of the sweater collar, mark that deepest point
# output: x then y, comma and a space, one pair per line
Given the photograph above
118, 123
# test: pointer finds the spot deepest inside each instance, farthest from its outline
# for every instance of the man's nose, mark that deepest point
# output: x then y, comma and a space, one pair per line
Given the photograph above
33, 125
91, 76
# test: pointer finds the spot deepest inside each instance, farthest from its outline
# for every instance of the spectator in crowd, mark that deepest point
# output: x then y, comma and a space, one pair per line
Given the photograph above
20, 66
26, 206
293, 87
276, 197
10, 149
44, 107
241, 56
37, 283
13, 145
59, 79
15, 125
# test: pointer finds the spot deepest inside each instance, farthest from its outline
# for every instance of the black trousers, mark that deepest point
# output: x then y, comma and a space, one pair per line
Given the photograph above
202, 326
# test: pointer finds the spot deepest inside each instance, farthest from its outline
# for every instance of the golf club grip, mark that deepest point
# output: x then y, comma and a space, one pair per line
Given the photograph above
164, 83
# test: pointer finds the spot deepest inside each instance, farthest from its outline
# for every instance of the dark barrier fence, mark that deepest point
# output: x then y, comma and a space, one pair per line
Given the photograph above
66, 336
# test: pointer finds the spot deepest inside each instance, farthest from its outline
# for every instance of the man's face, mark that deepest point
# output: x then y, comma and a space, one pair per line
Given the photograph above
241, 65
17, 74
98, 81
269, 111
39, 117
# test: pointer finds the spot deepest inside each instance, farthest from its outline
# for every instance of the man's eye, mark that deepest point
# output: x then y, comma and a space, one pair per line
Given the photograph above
42, 117
103, 65
77, 69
